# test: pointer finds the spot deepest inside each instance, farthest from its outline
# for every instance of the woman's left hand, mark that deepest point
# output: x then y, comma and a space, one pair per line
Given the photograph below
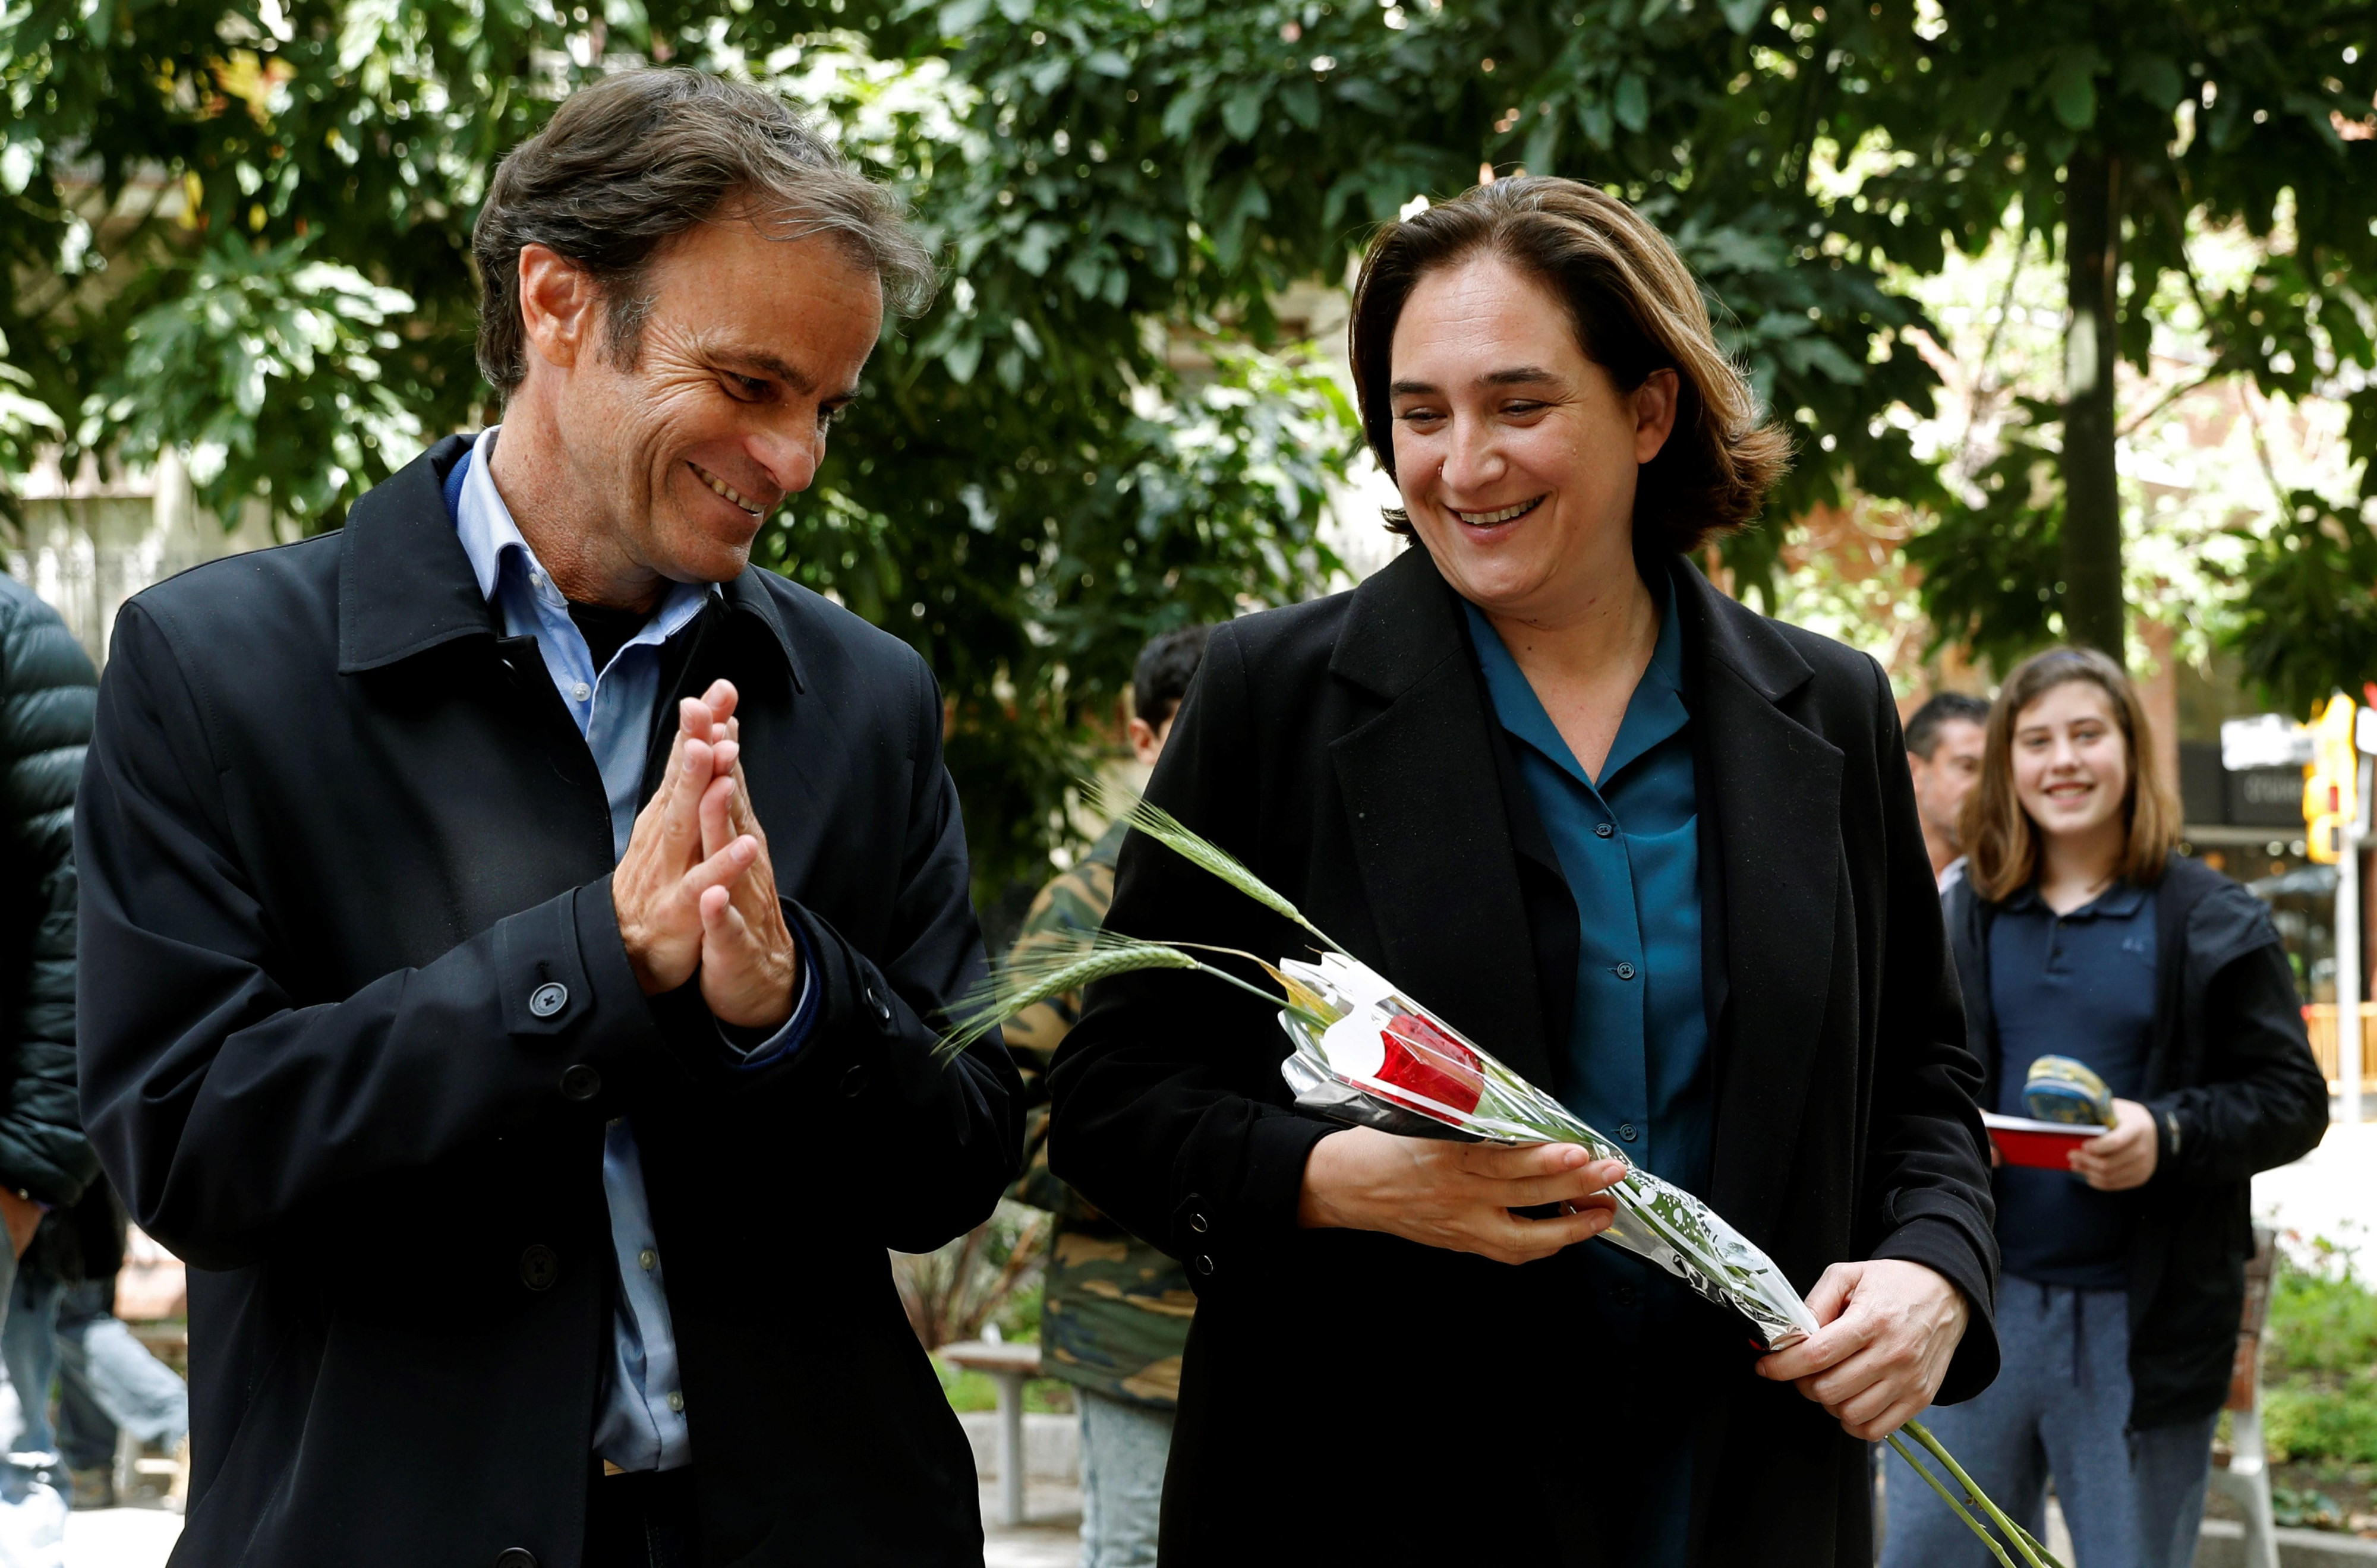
1889, 1329
2124, 1157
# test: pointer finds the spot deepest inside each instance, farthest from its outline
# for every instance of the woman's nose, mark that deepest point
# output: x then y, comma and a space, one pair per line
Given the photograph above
1472, 458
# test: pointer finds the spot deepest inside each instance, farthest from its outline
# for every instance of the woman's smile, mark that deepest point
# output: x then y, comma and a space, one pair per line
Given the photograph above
1500, 516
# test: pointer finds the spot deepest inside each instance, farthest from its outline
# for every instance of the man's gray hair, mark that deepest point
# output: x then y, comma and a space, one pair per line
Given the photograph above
633, 160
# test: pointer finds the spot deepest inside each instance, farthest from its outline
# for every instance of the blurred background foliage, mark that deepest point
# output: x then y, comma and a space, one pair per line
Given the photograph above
239, 229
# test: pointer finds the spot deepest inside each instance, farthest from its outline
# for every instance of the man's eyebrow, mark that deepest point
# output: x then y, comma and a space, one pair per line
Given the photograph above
1408, 388
790, 374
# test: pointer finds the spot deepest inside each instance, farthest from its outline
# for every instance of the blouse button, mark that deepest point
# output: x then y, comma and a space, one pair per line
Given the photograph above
1625, 971
1604, 829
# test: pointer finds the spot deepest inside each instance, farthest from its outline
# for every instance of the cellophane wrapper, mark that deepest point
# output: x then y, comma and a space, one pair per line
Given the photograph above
1386, 1061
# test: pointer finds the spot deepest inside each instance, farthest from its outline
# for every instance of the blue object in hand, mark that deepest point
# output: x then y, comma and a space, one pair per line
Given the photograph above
2061, 1089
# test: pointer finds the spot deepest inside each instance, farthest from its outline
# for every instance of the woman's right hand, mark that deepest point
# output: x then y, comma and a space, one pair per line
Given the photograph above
1456, 1195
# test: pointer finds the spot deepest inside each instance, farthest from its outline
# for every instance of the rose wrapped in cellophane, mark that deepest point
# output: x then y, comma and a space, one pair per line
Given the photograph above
1364, 1053
1382, 1052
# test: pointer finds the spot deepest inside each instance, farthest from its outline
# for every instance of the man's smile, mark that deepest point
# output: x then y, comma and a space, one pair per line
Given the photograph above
725, 489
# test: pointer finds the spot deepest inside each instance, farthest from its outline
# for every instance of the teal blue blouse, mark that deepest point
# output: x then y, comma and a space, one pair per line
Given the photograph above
1637, 1058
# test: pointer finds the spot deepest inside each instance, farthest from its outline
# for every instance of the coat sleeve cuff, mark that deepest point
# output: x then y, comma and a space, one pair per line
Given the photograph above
1942, 1246
1221, 1235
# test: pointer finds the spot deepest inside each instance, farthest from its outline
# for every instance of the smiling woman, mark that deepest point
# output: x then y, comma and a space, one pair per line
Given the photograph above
1640, 843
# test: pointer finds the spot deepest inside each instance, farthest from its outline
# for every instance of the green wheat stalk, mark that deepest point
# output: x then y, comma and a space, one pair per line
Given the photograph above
1122, 805
1035, 977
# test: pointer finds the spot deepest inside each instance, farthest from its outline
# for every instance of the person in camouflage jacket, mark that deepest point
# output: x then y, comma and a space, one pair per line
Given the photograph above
1115, 1311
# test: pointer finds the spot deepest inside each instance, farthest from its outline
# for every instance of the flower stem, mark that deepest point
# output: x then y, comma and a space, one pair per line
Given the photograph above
2035, 1555
1949, 1498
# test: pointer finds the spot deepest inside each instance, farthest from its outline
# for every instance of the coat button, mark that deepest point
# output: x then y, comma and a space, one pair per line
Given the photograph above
1625, 971
548, 999
581, 1081
1628, 1131
853, 1083
1205, 1265
540, 1266
1198, 1223
516, 1557
1604, 829
881, 1008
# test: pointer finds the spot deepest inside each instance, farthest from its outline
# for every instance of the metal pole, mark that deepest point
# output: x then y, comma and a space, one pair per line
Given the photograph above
2347, 953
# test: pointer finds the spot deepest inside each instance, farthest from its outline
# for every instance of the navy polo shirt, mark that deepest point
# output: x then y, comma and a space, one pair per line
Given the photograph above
2080, 985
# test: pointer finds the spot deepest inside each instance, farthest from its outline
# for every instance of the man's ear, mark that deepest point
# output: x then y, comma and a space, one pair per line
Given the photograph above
560, 308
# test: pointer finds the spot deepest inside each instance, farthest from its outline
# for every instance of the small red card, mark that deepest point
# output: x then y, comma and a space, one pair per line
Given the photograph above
2045, 1146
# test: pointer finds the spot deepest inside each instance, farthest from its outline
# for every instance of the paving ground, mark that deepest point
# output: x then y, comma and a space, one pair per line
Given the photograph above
143, 1538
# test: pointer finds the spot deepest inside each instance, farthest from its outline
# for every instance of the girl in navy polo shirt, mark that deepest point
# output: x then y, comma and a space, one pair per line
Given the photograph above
2079, 933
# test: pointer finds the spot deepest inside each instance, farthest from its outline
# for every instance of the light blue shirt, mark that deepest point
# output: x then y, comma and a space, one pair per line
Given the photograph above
640, 1422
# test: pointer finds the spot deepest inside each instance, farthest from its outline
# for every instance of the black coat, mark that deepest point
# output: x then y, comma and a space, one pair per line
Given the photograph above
1354, 1397
2234, 1089
46, 687
336, 831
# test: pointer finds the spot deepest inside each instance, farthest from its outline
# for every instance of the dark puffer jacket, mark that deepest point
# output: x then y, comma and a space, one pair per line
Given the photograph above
47, 691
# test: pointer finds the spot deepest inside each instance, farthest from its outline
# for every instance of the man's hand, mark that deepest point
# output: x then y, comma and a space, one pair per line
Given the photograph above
1889, 1330
750, 965
657, 890
2123, 1158
1458, 1196
23, 1217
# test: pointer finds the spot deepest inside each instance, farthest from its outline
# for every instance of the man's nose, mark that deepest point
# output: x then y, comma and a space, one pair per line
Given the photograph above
790, 452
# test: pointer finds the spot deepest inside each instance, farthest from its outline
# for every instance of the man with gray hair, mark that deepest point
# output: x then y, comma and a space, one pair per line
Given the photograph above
515, 927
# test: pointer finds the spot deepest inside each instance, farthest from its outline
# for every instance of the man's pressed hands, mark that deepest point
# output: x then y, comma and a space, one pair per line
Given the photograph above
1889, 1328
696, 893
1458, 1195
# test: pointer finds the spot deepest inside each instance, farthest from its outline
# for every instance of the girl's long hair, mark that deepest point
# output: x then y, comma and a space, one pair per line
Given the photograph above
2001, 842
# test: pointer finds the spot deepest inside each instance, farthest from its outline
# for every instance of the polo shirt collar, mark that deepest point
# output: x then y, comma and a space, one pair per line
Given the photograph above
2117, 902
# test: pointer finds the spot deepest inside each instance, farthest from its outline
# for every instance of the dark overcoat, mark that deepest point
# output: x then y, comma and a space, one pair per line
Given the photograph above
1354, 1397
336, 832
2234, 1089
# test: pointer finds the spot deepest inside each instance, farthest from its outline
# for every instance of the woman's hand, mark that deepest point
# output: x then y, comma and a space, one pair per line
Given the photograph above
1889, 1328
1457, 1196
2124, 1157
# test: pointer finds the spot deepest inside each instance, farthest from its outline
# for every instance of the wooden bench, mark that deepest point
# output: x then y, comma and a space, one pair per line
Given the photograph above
1009, 1367
2244, 1476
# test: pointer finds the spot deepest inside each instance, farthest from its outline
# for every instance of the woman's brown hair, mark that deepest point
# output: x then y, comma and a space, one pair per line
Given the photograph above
1635, 309
2001, 842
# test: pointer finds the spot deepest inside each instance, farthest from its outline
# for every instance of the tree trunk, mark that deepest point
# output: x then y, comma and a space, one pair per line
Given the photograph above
2093, 612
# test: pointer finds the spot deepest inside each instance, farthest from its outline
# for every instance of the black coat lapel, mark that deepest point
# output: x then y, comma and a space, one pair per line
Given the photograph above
1775, 787
1423, 805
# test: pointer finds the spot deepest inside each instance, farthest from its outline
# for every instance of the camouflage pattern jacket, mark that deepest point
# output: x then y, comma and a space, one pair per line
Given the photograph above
1116, 1314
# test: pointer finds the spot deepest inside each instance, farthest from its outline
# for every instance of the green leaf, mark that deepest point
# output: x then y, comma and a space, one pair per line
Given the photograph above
1242, 112
1742, 15
2071, 86
1108, 63
1632, 104
2152, 77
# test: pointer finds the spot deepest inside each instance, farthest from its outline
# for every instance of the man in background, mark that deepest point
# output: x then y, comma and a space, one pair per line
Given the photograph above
1944, 752
1114, 1314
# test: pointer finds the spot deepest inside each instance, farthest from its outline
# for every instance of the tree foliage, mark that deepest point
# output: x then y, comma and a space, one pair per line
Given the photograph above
2199, 115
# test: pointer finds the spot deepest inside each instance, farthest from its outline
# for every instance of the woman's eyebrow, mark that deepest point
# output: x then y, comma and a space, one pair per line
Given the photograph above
1523, 376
